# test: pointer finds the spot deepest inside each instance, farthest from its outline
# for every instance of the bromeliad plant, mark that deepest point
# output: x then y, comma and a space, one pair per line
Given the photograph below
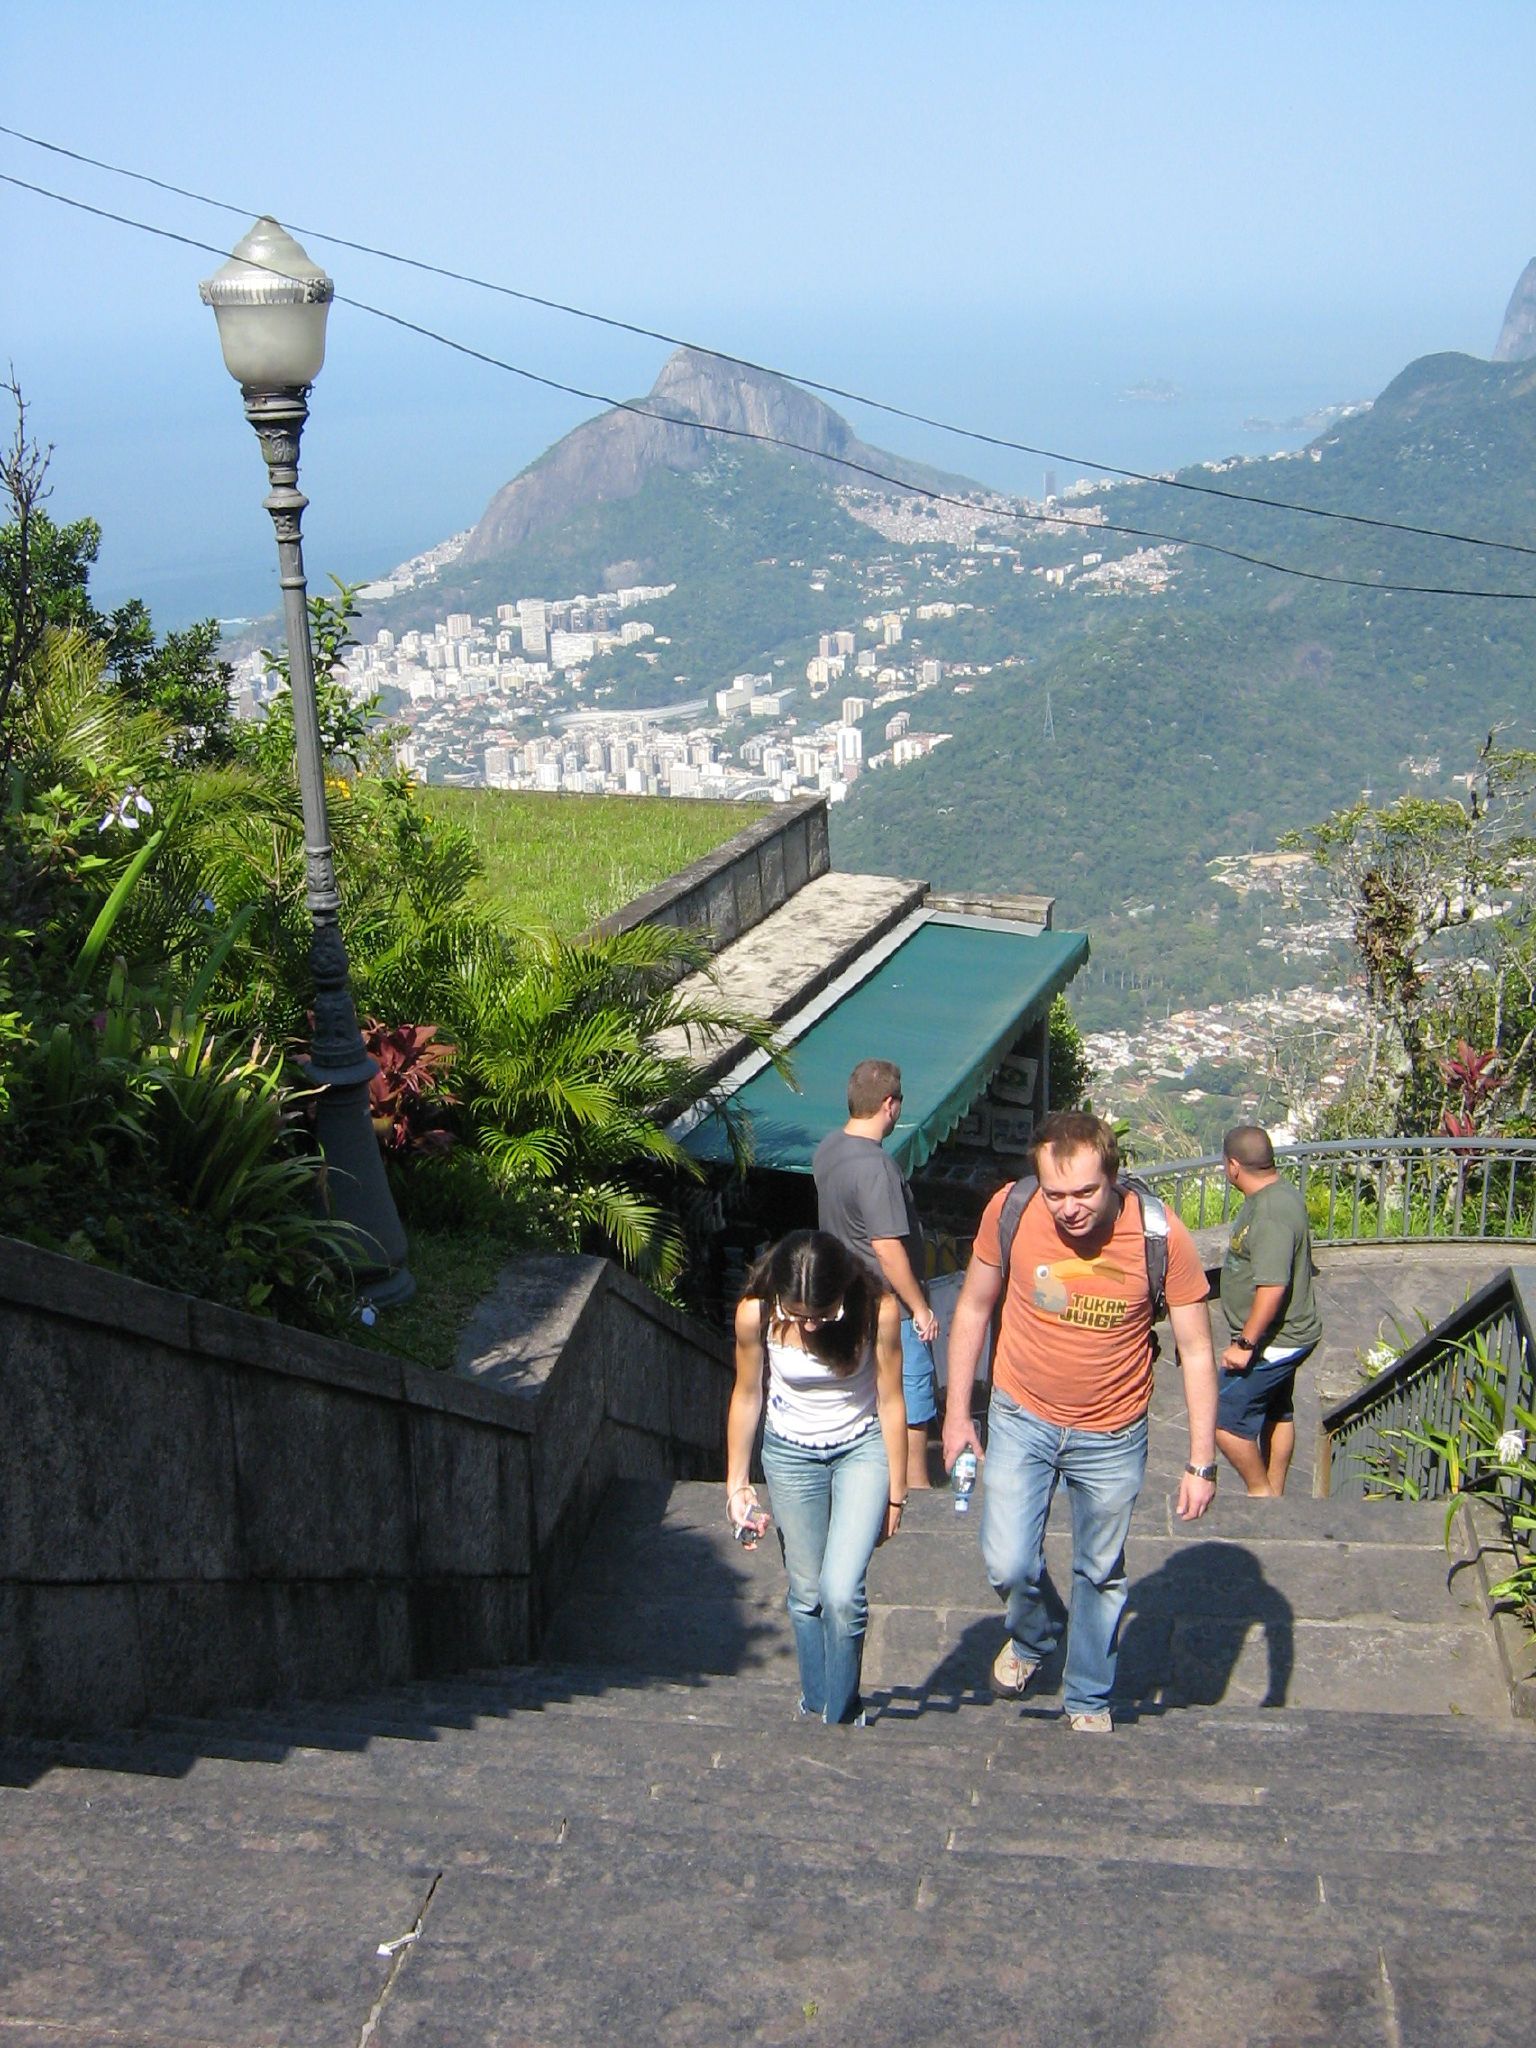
409, 1098
1486, 1455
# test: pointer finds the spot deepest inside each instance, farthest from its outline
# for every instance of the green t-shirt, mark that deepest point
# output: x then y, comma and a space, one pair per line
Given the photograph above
1271, 1246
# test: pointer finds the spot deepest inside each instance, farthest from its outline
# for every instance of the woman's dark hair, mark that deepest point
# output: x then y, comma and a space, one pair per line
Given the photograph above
816, 1271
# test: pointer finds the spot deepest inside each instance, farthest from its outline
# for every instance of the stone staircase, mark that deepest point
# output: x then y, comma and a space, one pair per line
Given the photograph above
1315, 1823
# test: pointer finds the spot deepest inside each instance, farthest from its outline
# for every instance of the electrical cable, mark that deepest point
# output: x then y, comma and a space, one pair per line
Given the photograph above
1162, 482
1056, 521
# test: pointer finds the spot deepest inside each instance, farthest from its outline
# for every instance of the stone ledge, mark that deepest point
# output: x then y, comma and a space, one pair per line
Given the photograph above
204, 1504
1484, 1547
729, 891
82, 1293
789, 960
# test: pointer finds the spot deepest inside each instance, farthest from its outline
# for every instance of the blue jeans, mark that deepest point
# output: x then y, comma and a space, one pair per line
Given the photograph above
1103, 1471
919, 1380
829, 1506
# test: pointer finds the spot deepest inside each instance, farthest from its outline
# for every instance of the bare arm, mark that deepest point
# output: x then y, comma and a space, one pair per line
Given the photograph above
892, 1405
744, 1414
905, 1285
967, 1335
1192, 1334
1260, 1320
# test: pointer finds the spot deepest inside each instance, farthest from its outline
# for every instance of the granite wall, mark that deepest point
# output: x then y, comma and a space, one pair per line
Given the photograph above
201, 1509
739, 884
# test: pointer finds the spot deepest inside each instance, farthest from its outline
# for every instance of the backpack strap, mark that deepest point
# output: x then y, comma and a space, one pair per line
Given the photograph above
1154, 1231
1008, 1221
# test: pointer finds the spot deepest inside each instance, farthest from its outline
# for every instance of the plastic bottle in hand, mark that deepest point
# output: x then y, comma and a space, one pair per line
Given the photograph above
962, 1479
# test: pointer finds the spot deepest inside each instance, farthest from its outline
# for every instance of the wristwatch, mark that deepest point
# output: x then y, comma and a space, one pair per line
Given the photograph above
1248, 1344
1202, 1471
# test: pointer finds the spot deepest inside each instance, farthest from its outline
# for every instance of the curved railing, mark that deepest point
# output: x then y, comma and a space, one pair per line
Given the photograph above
1379, 1190
1382, 1438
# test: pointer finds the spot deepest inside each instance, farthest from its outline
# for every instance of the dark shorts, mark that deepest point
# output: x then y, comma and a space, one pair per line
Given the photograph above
1249, 1401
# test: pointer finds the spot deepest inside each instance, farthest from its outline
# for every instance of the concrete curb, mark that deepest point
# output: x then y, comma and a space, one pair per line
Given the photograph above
1486, 1547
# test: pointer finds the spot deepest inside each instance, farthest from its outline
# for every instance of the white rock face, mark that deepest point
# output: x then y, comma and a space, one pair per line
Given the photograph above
1517, 337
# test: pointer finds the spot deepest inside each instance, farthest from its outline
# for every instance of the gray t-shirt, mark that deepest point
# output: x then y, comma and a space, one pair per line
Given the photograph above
861, 1193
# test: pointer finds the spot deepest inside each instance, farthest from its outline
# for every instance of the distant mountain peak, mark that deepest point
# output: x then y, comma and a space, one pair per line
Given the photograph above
1517, 337
614, 455
720, 393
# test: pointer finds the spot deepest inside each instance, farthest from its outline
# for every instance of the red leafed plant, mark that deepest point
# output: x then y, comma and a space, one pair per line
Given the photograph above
1473, 1074
407, 1098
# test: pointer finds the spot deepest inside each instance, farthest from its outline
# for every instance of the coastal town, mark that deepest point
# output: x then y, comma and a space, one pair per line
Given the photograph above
504, 700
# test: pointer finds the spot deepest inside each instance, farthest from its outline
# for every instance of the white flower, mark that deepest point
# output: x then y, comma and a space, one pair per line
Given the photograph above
132, 805
1510, 1446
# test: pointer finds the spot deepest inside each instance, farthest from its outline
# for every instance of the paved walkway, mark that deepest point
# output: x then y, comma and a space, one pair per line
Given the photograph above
1307, 1832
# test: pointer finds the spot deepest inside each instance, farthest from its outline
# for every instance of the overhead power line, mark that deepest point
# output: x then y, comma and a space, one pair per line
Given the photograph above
1056, 521
977, 434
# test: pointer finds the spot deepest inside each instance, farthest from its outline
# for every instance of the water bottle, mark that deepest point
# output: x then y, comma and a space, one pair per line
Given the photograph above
962, 1478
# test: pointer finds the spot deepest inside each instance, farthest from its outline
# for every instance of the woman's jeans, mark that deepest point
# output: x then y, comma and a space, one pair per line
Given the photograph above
1103, 1471
830, 1507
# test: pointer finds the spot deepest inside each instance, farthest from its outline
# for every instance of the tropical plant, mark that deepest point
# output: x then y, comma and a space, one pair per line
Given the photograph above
1474, 1076
408, 1098
567, 1062
139, 1142
157, 970
350, 733
44, 574
1071, 1069
1484, 1454
1426, 884
128, 1134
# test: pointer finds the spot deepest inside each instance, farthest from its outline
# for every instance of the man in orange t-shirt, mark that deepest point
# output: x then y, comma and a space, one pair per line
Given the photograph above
1071, 1383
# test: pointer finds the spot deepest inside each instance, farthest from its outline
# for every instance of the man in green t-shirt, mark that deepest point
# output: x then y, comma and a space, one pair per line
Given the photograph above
1266, 1297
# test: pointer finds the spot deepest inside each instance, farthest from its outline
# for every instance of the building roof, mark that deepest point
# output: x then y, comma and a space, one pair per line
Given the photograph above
947, 1004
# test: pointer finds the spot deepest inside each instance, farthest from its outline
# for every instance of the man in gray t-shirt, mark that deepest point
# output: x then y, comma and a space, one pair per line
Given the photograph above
863, 1198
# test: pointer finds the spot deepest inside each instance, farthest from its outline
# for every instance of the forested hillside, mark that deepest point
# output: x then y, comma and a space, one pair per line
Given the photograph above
1110, 734
1208, 720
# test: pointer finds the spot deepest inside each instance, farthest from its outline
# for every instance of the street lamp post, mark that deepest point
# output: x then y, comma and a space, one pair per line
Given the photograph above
271, 302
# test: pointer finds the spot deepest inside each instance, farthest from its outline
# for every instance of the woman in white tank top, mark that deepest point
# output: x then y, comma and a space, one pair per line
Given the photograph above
819, 1339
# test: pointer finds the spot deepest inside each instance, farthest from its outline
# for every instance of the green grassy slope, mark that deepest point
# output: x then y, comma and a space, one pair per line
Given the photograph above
569, 860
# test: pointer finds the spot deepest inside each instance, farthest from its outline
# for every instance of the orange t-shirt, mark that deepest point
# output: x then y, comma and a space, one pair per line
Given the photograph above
1074, 1345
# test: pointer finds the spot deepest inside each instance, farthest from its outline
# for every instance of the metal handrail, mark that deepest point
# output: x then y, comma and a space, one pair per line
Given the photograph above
1362, 1446
1379, 1190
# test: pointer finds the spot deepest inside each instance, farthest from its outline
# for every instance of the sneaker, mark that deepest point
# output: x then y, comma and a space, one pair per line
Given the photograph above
1012, 1673
1100, 1723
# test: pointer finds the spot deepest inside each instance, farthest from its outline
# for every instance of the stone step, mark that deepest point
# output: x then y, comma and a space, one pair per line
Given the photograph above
821, 1942
606, 1732
1345, 1604
723, 1934
640, 1519
1217, 1791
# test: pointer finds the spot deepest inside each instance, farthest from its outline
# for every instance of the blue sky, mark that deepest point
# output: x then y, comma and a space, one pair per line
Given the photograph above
1005, 213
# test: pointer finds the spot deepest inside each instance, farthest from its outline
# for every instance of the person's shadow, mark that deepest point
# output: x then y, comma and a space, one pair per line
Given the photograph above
1186, 1626
1181, 1642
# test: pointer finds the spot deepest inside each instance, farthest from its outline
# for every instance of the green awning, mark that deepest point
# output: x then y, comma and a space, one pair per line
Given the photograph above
946, 1006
